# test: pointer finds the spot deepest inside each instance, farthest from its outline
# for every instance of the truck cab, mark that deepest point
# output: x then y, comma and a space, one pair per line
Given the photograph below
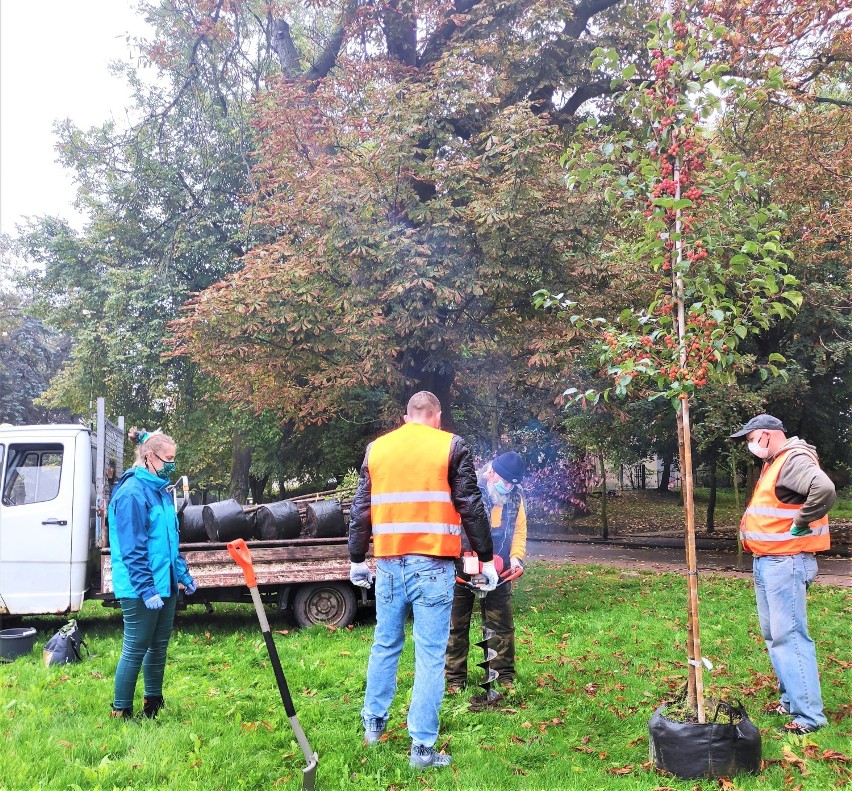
47, 518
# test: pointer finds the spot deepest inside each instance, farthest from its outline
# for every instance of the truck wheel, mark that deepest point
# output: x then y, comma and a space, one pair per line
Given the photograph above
327, 603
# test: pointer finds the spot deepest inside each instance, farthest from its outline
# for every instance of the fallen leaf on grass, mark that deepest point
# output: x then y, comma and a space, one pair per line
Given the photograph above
623, 770
812, 751
65, 744
789, 757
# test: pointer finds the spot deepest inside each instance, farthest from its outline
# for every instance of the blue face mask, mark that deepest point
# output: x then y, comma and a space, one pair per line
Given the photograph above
166, 471
502, 487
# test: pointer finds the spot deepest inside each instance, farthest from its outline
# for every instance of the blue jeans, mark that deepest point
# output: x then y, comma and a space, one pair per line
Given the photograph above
146, 638
422, 585
781, 583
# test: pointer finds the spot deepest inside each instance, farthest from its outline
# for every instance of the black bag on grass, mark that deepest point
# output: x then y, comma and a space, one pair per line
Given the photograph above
64, 646
707, 749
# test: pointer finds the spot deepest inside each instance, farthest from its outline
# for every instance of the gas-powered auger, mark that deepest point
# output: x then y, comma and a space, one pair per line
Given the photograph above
472, 566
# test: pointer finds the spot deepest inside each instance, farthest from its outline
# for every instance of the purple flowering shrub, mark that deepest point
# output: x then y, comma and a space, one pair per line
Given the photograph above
558, 488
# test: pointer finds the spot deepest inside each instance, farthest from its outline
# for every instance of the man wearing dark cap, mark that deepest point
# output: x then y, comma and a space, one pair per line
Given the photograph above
504, 502
784, 524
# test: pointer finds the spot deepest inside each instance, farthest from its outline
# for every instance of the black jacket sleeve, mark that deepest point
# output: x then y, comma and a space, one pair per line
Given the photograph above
467, 500
360, 526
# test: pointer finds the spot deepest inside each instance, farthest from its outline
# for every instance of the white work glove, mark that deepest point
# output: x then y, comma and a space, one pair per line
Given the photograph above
490, 574
360, 575
515, 563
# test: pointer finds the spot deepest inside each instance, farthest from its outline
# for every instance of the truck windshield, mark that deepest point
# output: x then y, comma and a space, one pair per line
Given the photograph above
32, 474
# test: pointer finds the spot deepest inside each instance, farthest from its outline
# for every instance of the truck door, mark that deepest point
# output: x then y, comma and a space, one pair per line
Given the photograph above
36, 518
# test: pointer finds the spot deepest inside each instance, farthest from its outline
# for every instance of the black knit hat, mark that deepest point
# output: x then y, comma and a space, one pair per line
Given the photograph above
510, 467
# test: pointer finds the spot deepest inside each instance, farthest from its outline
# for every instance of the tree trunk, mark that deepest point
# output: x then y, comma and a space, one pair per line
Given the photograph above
238, 488
257, 485
436, 382
735, 473
666, 475
604, 522
711, 501
495, 423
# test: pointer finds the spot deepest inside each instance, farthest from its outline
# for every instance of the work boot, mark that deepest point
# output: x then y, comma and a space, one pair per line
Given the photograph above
151, 705
121, 713
423, 756
374, 727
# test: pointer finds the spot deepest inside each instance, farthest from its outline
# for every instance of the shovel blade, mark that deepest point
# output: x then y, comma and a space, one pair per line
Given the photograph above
309, 773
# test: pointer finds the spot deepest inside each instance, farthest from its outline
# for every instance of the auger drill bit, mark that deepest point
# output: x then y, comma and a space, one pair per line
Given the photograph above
490, 675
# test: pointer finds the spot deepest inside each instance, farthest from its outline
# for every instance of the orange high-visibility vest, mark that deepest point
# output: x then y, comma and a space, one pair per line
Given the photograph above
767, 522
411, 506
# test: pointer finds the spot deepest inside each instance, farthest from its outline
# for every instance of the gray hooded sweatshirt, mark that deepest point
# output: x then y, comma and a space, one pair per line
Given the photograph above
801, 481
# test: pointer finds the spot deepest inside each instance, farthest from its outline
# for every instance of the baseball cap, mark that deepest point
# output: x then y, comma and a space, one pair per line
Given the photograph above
760, 422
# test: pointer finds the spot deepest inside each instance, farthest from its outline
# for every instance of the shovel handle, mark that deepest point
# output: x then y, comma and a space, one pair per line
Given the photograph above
242, 557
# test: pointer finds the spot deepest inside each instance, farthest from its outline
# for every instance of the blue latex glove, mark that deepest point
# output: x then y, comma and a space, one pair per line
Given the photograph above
154, 602
360, 575
190, 587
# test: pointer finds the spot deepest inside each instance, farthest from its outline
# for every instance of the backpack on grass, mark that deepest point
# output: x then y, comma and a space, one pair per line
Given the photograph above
64, 646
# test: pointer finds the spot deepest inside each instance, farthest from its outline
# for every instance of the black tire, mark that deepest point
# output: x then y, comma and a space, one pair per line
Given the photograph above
326, 603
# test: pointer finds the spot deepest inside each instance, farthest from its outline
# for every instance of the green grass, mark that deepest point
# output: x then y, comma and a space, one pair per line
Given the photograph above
598, 650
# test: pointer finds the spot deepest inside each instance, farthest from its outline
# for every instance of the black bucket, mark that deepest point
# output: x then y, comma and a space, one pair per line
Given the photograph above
16, 642
276, 521
324, 519
226, 521
191, 523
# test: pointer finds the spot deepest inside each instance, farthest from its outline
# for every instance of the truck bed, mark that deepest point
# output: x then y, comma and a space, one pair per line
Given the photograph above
283, 562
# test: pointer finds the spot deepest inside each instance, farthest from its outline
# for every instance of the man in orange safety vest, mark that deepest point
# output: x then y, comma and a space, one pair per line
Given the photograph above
784, 524
416, 492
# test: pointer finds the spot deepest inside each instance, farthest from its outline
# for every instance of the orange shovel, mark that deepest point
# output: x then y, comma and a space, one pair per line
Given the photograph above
240, 553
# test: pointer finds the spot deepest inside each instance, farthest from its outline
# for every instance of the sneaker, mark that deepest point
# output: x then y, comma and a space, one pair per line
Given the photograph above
423, 756
781, 709
373, 729
796, 729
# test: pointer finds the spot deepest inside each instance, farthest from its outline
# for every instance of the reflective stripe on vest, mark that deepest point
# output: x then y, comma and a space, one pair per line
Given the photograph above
767, 523
411, 506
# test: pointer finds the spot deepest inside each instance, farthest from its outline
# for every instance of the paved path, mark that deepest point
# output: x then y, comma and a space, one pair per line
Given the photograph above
666, 554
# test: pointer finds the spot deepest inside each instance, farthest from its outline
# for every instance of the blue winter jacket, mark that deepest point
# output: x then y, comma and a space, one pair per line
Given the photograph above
143, 538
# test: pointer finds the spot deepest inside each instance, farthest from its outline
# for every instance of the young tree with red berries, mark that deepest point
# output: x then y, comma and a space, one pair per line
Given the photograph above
693, 219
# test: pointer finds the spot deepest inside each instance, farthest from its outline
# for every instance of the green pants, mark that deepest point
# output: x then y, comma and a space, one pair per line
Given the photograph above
146, 638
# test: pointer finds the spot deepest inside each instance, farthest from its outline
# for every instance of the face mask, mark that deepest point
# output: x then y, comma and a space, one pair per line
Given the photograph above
758, 450
503, 488
166, 471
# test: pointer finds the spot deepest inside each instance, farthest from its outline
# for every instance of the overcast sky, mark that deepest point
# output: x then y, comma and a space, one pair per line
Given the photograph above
54, 57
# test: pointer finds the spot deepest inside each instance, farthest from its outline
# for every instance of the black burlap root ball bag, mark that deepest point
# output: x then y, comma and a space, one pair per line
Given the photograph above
709, 749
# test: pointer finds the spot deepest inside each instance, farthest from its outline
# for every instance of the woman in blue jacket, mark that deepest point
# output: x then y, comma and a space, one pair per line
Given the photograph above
146, 569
